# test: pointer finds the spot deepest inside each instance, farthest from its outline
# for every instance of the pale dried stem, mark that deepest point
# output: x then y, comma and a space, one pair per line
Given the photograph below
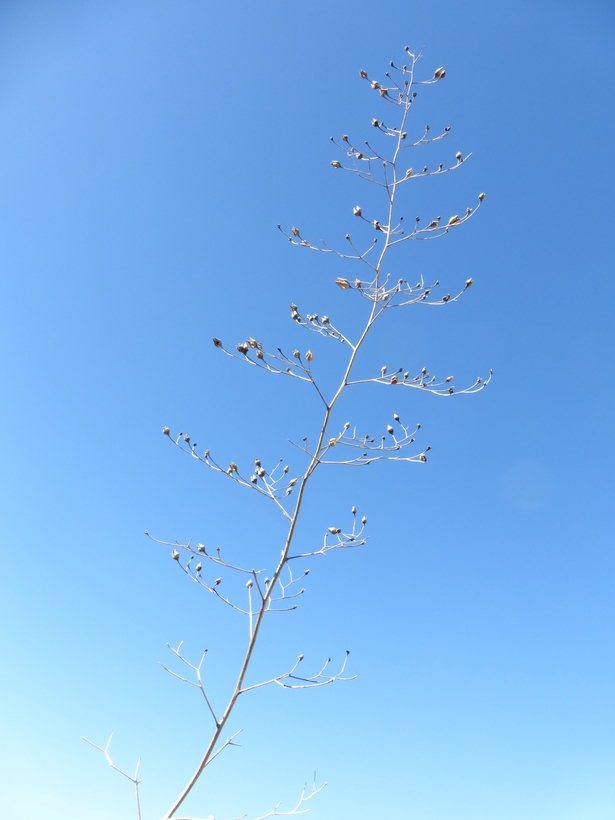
134, 780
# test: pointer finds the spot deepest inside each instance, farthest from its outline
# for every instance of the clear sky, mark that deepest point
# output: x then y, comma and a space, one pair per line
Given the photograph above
148, 151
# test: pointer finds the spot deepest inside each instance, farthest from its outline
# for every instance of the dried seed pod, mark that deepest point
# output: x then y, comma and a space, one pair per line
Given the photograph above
364, 520
309, 356
354, 510
250, 584
454, 220
390, 430
217, 342
300, 658
394, 379
439, 73
254, 479
332, 530
175, 555
409, 172
344, 284
383, 370
357, 210
332, 442
395, 416
469, 283
363, 74
459, 156
296, 354
336, 164
292, 482
200, 547
166, 431
295, 231
481, 197
198, 567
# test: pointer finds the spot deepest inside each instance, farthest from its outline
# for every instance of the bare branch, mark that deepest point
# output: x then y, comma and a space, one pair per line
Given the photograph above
134, 780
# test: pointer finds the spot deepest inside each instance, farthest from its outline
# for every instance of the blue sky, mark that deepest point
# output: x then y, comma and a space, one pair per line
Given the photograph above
148, 152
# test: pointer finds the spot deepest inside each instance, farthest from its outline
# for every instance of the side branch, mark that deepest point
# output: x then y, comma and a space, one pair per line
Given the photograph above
135, 780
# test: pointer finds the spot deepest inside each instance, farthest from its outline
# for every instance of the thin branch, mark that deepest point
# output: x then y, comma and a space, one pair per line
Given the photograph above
134, 780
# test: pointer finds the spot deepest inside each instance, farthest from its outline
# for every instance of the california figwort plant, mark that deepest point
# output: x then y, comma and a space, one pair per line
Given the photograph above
382, 162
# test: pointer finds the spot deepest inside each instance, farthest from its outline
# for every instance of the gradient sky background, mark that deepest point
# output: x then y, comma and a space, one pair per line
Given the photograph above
148, 151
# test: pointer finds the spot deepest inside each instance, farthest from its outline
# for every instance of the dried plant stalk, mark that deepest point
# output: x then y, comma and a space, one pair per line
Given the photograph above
265, 595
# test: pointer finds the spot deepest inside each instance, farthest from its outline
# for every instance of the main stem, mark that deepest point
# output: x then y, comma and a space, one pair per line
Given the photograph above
310, 470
